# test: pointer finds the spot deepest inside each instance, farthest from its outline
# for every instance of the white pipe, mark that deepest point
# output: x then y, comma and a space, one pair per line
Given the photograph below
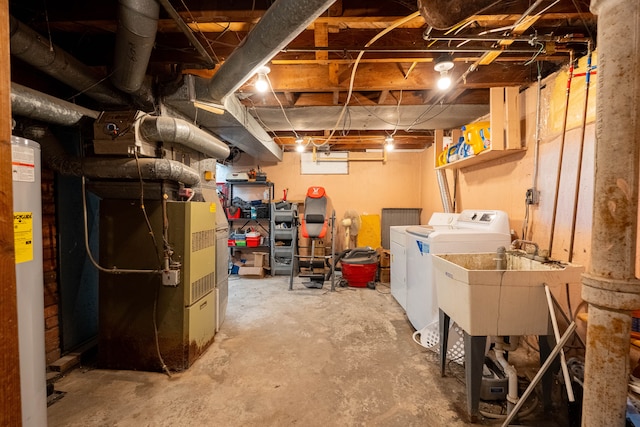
556, 334
510, 371
545, 366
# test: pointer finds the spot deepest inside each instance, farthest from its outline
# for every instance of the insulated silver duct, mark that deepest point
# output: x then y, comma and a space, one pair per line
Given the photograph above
135, 36
104, 168
443, 14
171, 129
443, 186
30, 103
30, 47
150, 169
281, 23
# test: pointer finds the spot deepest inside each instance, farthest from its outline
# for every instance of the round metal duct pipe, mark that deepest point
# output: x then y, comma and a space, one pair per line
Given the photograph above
30, 103
30, 47
135, 37
171, 129
150, 169
281, 23
443, 14
109, 168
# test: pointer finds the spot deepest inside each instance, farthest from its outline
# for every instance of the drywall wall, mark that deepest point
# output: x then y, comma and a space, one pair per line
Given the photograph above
367, 188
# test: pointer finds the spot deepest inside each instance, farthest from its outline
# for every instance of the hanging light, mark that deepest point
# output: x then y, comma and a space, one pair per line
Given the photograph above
388, 143
444, 64
262, 84
299, 146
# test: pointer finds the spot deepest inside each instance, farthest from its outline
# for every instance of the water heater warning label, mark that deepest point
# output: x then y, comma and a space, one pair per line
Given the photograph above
23, 236
23, 163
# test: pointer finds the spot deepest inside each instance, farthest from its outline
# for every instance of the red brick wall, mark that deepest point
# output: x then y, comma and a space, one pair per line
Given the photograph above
50, 267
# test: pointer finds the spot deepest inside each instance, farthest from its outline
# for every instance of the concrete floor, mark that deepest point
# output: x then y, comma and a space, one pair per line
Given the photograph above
308, 357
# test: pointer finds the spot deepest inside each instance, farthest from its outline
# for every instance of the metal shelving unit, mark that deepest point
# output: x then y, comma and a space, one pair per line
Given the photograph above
260, 223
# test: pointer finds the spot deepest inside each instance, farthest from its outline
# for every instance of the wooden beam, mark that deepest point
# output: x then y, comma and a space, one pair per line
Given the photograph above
336, 97
321, 39
10, 401
291, 98
209, 21
523, 26
384, 94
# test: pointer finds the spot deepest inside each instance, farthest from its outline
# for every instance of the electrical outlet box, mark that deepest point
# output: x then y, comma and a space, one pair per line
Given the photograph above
532, 196
171, 278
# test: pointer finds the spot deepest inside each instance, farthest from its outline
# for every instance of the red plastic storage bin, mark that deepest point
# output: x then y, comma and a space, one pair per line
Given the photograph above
252, 242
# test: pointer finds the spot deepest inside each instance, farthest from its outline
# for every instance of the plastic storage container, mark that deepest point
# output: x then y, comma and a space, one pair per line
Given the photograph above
478, 136
253, 239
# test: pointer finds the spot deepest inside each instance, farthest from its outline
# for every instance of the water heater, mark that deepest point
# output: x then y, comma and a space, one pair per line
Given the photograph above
27, 226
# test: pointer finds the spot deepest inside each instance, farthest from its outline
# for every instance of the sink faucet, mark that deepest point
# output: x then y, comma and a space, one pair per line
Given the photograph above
521, 244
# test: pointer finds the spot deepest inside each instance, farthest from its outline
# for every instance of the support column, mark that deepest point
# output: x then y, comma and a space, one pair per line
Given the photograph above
10, 400
610, 286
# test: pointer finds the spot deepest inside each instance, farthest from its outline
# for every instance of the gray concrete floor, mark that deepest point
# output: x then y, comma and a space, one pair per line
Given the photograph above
308, 357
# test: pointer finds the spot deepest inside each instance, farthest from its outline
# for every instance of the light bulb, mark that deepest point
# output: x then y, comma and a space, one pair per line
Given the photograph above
444, 82
261, 84
300, 148
389, 143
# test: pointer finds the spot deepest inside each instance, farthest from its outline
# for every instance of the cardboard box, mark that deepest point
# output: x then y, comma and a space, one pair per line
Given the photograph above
385, 257
260, 259
385, 275
257, 272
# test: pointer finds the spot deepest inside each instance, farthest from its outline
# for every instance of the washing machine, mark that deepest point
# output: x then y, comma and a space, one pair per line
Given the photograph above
398, 247
471, 232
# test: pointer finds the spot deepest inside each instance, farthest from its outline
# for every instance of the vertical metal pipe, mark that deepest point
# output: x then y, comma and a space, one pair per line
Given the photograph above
135, 37
562, 140
576, 194
610, 286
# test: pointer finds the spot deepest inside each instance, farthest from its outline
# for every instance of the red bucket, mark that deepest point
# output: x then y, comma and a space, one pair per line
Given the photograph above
359, 275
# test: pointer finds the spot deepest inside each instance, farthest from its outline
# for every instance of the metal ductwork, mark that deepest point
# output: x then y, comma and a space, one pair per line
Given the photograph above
109, 168
235, 125
282, 23
36, 105
170, 129
443, 14
135, 37
29, 46
443, 186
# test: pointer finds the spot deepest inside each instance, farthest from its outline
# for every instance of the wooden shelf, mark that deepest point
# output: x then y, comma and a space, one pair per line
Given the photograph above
483, 157
505, 131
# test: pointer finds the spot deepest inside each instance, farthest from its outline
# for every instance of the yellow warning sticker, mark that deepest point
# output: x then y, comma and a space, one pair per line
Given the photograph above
23, 236
212, 207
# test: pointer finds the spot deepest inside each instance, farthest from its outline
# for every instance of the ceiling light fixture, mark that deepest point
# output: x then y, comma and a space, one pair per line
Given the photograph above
444, 64
262, 84
299, 146
389, 143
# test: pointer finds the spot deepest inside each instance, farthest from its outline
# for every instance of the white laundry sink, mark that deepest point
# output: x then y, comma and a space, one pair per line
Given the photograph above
486, 301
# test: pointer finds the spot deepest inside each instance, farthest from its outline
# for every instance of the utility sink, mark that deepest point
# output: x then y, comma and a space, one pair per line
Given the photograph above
485, 301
